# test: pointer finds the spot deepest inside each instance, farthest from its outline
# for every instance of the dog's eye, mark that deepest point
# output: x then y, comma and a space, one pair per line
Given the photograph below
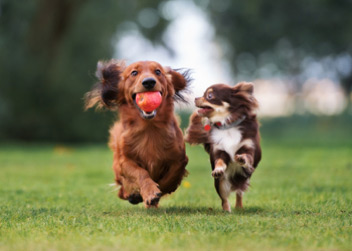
158, 72
134, 73
210, 95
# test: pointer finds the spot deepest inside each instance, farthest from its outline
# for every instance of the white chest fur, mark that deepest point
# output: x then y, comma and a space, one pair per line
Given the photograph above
228, 140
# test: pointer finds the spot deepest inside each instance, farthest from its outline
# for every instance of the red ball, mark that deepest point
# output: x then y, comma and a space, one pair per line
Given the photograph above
148, 101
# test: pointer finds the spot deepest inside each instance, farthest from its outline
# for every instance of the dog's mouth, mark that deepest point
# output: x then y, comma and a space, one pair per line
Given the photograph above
204, 110
147, 110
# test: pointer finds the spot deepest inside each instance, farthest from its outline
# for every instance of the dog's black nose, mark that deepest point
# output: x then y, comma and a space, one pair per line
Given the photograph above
149, 83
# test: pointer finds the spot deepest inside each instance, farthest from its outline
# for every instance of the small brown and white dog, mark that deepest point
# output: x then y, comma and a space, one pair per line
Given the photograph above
227, 126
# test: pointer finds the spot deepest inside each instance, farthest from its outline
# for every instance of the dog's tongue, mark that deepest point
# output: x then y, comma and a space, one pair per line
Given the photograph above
148, 101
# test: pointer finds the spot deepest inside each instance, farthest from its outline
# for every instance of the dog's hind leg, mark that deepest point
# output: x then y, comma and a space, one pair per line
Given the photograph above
220, 160
239, 195
172, 179
226, 205
223, 187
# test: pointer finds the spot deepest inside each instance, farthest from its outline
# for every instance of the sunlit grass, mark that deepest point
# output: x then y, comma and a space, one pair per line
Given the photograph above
58, 197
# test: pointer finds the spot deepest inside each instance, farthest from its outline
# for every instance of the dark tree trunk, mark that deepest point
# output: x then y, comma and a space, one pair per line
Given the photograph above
50, 25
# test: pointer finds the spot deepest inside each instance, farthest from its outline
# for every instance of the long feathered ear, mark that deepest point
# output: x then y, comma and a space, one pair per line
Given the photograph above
105, 92
180, 79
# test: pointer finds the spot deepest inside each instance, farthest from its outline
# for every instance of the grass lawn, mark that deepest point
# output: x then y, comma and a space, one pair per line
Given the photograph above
59, 198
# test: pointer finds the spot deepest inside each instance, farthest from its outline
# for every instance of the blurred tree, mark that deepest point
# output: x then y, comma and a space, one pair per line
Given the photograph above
48, 52
282, 36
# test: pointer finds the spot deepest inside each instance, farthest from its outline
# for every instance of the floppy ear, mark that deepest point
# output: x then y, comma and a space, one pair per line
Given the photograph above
180, 79
104, 93
244, 87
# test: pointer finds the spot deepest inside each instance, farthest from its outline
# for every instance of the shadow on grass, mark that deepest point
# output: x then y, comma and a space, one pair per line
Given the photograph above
184, 210
131, 211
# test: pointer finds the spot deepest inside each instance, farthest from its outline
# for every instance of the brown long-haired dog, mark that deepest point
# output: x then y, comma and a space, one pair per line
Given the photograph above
149, 156
227, 126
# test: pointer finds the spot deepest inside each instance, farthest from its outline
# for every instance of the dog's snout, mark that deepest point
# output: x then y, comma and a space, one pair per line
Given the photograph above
149, 83
197, 100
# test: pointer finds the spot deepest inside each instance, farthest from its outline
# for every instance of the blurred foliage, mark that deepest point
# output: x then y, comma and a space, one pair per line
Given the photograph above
49, 50
281, 34
327, 131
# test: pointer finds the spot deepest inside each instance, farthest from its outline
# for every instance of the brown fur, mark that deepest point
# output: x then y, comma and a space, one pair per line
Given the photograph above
149, 156
228, 105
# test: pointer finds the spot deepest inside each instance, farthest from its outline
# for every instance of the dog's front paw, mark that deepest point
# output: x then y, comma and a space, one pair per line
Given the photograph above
247, 168
152, 198
135, 198
218, 172
241, 159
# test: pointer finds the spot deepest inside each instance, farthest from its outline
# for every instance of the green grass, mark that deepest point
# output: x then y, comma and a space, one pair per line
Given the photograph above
58, 198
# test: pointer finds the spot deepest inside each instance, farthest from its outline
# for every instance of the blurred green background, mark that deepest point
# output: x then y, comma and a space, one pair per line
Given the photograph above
49, 51
55, 164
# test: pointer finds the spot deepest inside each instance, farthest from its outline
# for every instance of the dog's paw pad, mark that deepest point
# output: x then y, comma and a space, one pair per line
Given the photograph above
240, 159
153, 200
217, 173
